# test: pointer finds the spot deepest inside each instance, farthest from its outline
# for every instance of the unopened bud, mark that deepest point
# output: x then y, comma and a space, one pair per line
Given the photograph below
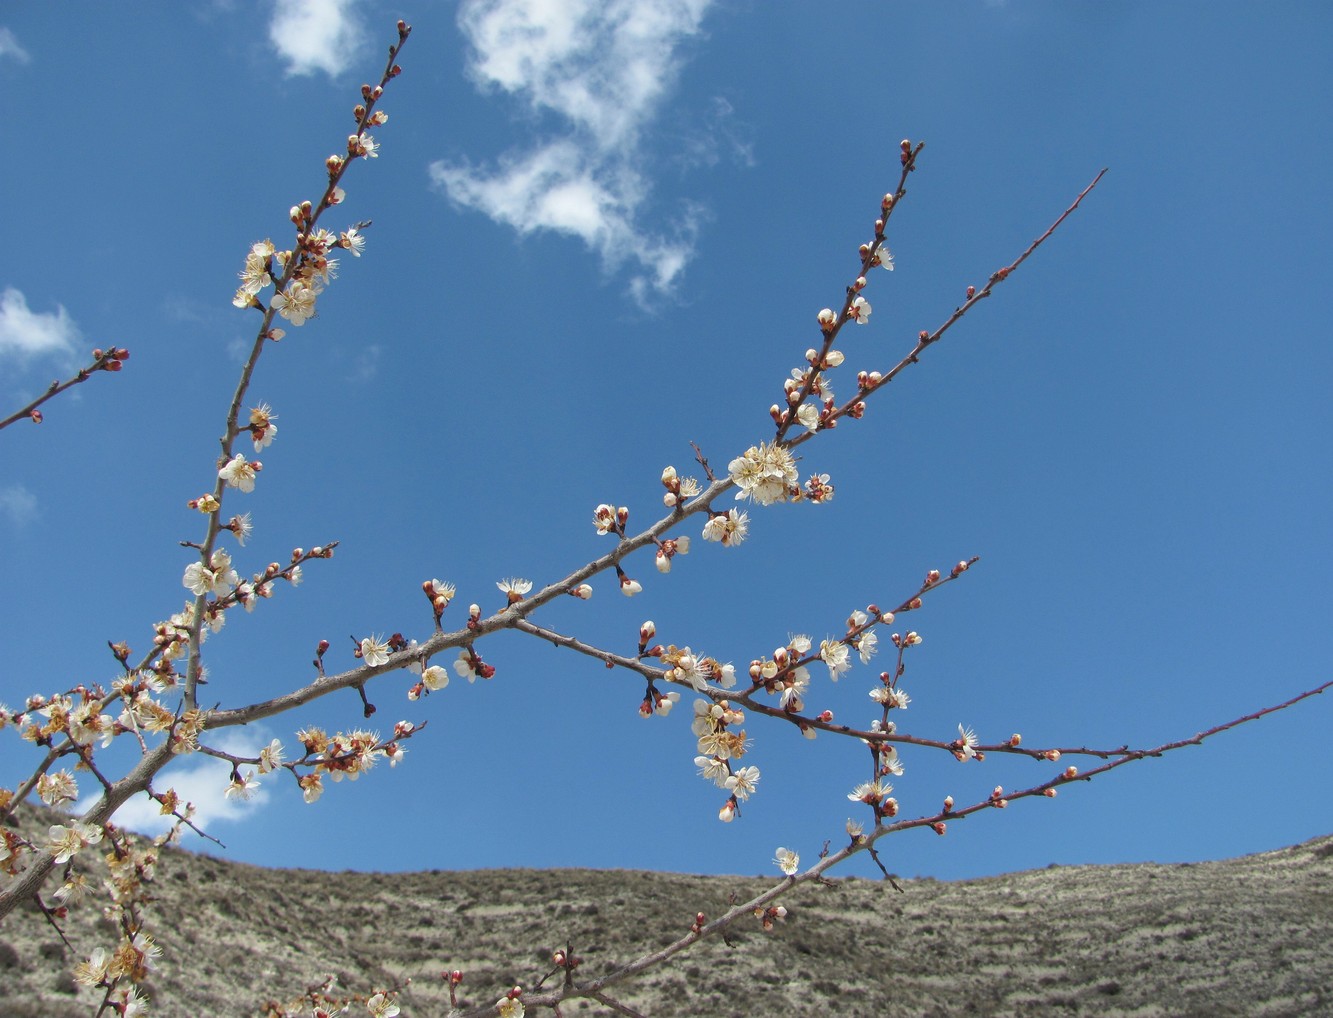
1071, 772
938, 827
826, 716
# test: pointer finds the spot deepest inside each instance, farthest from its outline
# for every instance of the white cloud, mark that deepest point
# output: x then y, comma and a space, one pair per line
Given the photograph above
603, 67
28, 333
316, 35
202, 780
18, 503
9, 47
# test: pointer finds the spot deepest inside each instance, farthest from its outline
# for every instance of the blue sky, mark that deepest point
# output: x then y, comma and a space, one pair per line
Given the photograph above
596, 241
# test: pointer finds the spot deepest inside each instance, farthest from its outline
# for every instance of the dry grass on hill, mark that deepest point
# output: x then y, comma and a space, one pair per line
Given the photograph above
1245, 937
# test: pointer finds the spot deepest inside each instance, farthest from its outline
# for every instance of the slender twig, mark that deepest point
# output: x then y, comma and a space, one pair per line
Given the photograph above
103, 362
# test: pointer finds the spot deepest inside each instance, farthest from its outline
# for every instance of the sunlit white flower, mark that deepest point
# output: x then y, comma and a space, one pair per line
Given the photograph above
884, 257
743, 781
968, 739
730, 528
808, 416
866, 645
262, 429
270, 757
368, 147
834, 654
312, 786
297, 302
713, 769
352, 241
374, 652
242, 787
435, 678
57, 788
514, 589
65, 841
860, 310
870, 792
464, 667
794, 689
765, 473
787, 861
240, 474
381, 1005
94, 970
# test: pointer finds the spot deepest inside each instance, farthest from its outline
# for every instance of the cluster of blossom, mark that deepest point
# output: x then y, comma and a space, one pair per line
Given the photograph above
719, 745
342, 755
313, 269
688, 668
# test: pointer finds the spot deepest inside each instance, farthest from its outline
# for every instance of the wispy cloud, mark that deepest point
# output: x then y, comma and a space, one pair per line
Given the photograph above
18, 503
366, 364
9, 47
26, 333
202, 780
603, 67
316, 35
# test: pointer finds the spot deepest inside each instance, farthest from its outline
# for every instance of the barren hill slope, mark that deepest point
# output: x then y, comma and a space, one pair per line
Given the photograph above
1250, 936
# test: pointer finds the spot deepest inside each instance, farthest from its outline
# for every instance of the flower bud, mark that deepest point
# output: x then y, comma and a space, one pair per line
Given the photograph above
827, 317
1071, 772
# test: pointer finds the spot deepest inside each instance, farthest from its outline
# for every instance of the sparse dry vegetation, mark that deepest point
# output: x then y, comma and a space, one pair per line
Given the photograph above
1245, 937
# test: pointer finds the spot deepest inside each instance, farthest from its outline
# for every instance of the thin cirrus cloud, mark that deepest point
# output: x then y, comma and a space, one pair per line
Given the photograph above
25, 333
603, 68
316, 35
18, 504
10, 48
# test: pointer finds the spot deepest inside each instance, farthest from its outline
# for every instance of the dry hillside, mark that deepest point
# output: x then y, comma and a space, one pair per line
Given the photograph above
1250, 936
